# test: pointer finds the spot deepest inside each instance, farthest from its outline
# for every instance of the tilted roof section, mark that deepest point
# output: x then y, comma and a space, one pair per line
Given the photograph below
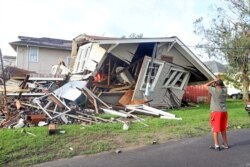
176, 42
43, 42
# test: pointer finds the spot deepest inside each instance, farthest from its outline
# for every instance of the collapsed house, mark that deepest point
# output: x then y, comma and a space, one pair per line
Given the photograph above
130, 71
121, 76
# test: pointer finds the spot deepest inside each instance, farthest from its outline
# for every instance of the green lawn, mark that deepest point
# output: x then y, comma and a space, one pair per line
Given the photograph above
18, 148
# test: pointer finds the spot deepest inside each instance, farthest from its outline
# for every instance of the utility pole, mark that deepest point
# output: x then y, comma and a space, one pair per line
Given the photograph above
6, 111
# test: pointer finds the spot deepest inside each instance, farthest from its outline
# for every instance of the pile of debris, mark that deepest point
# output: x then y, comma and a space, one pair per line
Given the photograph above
39, 100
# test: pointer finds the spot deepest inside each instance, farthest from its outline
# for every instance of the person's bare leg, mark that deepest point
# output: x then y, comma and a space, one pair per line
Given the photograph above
224, 137
215, 137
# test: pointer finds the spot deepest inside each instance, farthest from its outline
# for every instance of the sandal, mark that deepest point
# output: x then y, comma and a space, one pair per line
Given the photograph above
225, 146
215, 148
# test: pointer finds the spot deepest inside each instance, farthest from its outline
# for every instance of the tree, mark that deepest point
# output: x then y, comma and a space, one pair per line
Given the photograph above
228, 36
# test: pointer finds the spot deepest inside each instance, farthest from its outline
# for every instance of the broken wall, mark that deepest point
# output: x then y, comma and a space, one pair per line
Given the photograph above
163, 90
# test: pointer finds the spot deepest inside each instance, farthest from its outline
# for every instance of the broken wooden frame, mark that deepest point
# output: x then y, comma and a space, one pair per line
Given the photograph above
58, 103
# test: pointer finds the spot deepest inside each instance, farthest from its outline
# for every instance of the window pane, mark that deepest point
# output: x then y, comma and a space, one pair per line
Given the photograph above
176, 78
33, 54
68, 61
151, 78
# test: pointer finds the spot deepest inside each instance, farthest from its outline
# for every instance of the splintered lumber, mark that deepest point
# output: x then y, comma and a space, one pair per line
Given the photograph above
163, 113
141, 111
126, 98
134, 116
93, 95
147, 109
80, 118
55, 100
121, 88
98, 85
138, 101
91, 99
30, 105
23, 85
18, 104
13, 89
113, 112
40, 107
91, 116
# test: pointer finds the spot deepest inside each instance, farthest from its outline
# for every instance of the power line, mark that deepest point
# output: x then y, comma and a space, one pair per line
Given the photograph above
202, 47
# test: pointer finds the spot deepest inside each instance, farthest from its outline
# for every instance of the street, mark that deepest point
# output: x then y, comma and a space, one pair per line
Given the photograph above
192, 152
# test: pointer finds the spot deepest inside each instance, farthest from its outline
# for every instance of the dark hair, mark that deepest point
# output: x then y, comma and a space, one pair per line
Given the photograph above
219, 83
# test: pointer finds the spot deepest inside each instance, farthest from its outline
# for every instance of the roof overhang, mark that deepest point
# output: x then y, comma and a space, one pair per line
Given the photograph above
176, 42
15, 44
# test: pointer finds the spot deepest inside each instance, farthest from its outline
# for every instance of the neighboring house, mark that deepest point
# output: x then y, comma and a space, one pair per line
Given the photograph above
157, 69
215, 67
9, 60
40, 54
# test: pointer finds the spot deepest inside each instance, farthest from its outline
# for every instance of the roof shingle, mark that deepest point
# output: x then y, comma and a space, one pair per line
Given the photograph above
42, 42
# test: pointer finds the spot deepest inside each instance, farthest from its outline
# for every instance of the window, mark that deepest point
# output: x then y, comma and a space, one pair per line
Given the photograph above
33, 54
68, 61
176, 78
151, 76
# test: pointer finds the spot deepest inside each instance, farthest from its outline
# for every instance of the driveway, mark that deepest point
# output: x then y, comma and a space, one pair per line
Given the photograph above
192, 152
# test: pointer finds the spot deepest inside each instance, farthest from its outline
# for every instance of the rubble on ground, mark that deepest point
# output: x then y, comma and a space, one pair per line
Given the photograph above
42, 100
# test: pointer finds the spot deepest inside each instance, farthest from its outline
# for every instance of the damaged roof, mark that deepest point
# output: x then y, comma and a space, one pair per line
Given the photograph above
42, 42
175, 42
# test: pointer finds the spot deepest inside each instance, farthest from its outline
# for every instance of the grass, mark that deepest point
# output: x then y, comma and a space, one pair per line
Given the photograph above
18, 148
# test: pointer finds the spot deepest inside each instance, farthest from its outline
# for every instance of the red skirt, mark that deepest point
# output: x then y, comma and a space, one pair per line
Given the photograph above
218, 121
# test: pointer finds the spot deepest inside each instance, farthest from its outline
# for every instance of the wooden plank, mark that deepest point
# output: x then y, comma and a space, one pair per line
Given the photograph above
94, 96
26, 94
113, 112
56, 101
93, 101
18, 104
23, 85
121, 88
98, 85
126, 98
13, 89
141, 111
91, 116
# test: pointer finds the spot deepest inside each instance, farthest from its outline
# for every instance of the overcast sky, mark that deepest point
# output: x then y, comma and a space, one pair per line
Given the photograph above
66, 19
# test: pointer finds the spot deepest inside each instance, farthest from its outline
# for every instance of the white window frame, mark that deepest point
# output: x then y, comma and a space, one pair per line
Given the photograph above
153, 84
174, 77
33, 54
82, 58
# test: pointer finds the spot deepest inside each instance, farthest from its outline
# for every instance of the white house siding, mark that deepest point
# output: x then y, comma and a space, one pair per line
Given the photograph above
46, 59
125, 52
178, 58
22, 58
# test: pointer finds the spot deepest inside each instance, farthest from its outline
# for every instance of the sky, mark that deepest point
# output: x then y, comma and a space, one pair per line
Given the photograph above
66, 19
